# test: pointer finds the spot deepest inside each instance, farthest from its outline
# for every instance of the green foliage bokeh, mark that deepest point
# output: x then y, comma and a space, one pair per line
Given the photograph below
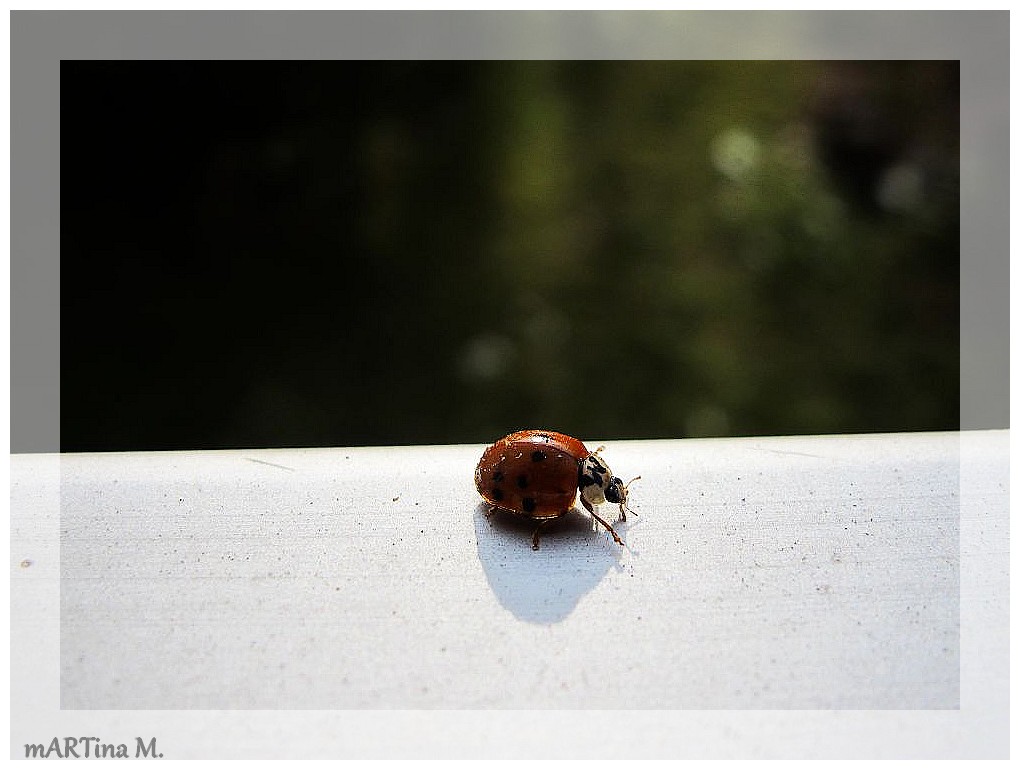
432, 252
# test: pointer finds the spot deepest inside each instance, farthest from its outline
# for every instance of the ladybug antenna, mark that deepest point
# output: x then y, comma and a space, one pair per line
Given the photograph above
624, 508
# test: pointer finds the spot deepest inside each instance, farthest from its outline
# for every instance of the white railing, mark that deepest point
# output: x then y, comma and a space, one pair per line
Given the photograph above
791, 576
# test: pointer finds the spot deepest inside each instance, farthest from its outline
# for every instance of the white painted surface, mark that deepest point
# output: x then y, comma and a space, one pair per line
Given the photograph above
803, 573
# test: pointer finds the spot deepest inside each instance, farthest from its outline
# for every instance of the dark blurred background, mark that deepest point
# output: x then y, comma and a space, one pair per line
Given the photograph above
259, 254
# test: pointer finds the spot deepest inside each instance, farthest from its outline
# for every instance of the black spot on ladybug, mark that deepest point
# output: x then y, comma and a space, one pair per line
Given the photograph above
497, 493
538, 456
587, 481
528, 504
595, 461
522, 481
497, 476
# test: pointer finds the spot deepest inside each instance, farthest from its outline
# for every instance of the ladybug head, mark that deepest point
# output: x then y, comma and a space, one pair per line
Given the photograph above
616, 491
598, 485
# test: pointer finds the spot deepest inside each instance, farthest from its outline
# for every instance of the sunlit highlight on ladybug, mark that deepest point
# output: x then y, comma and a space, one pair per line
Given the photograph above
539, 473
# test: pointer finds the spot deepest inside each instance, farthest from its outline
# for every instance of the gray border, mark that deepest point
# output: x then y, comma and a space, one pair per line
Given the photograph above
39, 39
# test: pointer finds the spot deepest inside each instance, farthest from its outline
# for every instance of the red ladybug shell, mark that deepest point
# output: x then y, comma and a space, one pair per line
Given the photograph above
531, 472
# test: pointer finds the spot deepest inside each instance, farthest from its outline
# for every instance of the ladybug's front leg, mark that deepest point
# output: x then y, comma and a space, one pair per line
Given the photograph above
609, 527
588, 507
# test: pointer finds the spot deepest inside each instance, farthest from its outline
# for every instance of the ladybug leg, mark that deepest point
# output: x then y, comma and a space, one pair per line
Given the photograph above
608, 527
537, 533
588, 507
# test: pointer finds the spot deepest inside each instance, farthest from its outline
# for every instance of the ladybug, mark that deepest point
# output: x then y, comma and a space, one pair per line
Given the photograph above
538, 473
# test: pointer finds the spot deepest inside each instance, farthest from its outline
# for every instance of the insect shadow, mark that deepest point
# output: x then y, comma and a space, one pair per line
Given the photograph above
542, 586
